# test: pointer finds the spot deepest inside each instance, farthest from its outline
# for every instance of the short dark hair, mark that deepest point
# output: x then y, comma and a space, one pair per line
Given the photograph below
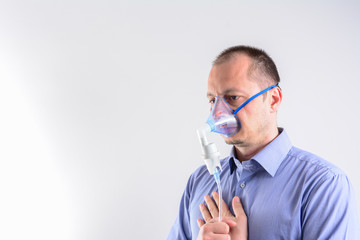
261, 61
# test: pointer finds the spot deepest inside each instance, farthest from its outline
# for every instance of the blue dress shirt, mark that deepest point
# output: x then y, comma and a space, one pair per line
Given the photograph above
287, 193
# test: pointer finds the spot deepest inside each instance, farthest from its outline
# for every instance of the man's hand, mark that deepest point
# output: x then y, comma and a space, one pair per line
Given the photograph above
211, 229
215, 230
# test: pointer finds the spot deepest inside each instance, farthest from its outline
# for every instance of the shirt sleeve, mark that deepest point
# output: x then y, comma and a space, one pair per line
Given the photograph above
181, 229
330, 211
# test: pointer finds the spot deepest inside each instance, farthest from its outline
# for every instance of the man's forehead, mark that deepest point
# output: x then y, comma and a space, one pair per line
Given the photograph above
238, 60
231, 77
233, 68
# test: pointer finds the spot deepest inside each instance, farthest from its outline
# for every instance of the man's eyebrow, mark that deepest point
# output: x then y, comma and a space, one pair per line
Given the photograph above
210, 95
227, 91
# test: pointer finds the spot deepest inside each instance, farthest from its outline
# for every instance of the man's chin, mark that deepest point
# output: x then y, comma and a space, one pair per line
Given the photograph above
234, 142
237, 139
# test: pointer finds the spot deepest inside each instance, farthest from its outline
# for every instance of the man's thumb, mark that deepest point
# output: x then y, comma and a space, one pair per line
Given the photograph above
237, 207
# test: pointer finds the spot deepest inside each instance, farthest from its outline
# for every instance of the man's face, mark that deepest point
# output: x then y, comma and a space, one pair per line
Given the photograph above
231, 81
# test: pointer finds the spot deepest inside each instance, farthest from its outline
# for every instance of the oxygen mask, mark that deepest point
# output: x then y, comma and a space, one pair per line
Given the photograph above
223, 119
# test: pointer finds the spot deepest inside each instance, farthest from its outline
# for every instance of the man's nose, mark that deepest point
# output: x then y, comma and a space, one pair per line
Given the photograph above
218, 113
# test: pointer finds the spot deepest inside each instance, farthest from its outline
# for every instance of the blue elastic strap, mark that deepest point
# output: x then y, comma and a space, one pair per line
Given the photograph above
256, 95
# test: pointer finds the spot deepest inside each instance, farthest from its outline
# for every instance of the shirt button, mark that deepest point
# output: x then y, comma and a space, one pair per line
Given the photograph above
242, 185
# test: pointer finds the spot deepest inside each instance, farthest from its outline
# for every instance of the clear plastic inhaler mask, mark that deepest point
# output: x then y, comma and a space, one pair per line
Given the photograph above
223, 119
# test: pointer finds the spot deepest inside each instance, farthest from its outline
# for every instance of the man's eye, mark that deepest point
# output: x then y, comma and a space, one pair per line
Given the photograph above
232, 98
212, 101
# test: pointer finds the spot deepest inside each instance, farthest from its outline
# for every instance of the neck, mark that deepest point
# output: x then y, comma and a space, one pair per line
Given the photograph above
246, 152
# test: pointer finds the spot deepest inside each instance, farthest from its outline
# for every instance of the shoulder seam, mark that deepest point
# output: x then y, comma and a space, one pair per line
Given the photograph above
331, 170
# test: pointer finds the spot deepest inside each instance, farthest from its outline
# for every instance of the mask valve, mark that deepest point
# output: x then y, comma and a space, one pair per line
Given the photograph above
212, 160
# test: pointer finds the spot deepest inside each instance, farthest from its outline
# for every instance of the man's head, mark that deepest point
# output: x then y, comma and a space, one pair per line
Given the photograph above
237, 74
262, 69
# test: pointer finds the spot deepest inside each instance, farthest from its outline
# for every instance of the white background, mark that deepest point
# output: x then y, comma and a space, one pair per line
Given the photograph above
100, 102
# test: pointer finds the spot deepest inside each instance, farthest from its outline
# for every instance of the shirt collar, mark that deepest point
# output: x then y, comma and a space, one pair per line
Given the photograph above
232, 160
269, 157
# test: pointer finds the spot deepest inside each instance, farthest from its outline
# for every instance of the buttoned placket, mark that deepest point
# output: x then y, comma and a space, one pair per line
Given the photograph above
244, 173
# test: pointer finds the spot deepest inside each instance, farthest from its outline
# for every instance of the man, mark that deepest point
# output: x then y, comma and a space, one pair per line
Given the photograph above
286, 193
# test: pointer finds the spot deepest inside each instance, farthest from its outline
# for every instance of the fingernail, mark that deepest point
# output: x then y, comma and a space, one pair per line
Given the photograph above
237, 199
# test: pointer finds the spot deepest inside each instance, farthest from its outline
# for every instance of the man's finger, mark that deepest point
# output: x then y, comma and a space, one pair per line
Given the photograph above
205, 213
217, 228
237, 207
230, 222
200, 223
212, 207
214, 230
226, 212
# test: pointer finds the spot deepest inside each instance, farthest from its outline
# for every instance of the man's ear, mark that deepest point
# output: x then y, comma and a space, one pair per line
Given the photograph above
275, 99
